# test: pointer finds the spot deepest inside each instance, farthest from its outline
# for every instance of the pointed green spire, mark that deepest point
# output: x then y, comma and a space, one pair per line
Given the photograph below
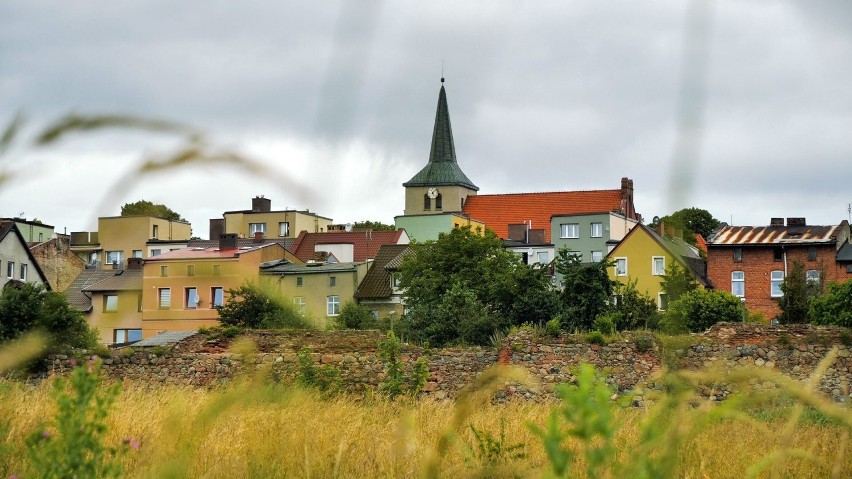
442, 169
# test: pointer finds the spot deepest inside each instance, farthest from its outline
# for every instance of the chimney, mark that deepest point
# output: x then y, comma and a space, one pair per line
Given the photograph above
259, 204
134, 263
536, 237
518, 232
796, 222
661, 227
217, 227
228, 241
776, 222
627, 198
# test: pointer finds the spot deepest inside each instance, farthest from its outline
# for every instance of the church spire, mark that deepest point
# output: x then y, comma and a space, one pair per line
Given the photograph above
443, 168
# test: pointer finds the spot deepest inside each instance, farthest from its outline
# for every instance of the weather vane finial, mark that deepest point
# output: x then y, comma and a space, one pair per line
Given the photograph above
442, 70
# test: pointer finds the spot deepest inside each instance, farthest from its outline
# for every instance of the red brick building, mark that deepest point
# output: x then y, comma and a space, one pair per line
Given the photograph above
752, 261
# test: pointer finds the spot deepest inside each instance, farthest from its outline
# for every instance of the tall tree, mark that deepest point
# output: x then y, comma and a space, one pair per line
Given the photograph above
676, 282
797, 296
26, 307
691, 220
586, 291
146, 208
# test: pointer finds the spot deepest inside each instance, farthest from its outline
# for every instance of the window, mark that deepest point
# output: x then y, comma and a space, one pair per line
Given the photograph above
155, 232
395, 278
597, 230
621, 266
332, 305
156, 252
299, 281
849, 268
738, 255
738, 284
110, 303
439, 202
127, 335
10, 269
257, 228
662, 302
812, 277
192, 298
190, 270
115, 257
165, 296
658, 265
139, 302
332, 281
776, 278
299, 301
570, 230
543, 257
375, 314
427, 202
217, 297
217, 269
597, 256
284, 228
778, 253
137, 253
164, 271
23, 272
811, 253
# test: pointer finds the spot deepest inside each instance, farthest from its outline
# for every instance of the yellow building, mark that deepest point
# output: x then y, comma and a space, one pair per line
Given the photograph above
260, 219
121, 237
182, 288
318, 289
116, 307
643, 256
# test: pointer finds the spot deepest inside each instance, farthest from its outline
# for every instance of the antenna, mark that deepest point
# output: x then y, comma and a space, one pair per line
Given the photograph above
442, 70
849, 210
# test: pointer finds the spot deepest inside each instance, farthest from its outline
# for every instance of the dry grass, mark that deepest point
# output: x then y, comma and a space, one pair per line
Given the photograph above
283, 432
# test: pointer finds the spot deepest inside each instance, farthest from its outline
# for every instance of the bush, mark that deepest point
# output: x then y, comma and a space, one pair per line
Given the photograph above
553, 327
326, 379
606, 323
698, 310
644, 342
596, 337
251, 306
356, 316
634, 310
835, 307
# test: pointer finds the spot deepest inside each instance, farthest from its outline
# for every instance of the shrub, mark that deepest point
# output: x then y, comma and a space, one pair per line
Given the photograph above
606, 323
251, 306
633, 310
325, 379
397, 383
700, 309
356, 316
644, 342
834, 307
596, 337
553, 328
797, 295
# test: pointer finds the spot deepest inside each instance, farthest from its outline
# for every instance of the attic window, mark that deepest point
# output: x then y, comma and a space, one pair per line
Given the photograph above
738, 255
811, 253
778, 253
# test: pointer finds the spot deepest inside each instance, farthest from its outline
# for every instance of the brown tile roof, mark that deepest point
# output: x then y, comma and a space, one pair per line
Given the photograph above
776, 235
376, 283
121, 280
365, 243
76, 297
499, 211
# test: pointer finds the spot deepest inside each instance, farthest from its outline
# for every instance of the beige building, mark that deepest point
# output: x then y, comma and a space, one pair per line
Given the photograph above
116, 306
183, 288
121, 237
262, 221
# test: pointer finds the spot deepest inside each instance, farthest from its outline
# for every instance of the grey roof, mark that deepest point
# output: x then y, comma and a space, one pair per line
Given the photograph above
845, 253
165, 338
7, 227
77, 298
443, 168
286, 267
121, 280
287, 243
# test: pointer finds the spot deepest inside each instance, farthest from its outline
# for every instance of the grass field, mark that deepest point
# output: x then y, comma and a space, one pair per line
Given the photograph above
276, 431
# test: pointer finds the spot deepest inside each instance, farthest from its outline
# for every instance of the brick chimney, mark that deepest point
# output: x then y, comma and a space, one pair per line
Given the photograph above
134, 263
627, 208
796, 222
217, 227
259, 204
776, 222
228, 241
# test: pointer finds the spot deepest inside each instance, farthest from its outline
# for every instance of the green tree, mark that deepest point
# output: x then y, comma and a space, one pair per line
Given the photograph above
253, 306
373, 225
834, 307
356, 316
797, 296
146, 208
26, 307
691, 220
698, 310
677, 281
464, 286
632, 309
586, 291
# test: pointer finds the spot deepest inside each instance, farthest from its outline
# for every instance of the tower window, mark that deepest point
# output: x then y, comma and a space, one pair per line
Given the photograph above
439, 202
427, 202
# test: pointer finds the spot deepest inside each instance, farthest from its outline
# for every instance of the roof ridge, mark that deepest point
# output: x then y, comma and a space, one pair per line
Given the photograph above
543, 193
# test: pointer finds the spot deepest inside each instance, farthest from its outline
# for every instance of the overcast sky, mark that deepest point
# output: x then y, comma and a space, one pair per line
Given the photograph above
744, 106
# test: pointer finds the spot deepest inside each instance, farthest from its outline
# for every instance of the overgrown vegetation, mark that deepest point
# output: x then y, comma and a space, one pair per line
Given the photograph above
147, 208
257, 307
834, 307
326, 378
397, 382
700, 309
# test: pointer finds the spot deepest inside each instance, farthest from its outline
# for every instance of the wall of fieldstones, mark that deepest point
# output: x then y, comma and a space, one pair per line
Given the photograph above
632, 364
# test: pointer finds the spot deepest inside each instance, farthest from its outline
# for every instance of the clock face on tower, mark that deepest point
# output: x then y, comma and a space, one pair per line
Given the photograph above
432, 192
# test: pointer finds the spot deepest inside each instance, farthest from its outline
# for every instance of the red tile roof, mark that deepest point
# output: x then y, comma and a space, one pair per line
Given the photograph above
499, 211
365, 243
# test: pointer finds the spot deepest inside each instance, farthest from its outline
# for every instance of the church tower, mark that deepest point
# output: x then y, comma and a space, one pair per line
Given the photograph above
441, 186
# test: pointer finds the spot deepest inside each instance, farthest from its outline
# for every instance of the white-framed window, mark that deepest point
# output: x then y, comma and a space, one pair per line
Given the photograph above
597, 230
110, 303
115, 257
621, 266
137, 253
284, 228
658, 265
299, 301
738, 284
662, 301
165, 298
156, 252
127, 335
10, 269
217, 296
776, 278
543, 257
395, 278
332, 305
23, 276
257, 228
569, 230
191, 297
597, 256
811, 276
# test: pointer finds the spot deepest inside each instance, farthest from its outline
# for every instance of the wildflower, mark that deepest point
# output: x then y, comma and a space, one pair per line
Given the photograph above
45, 434
72, 362
132, 443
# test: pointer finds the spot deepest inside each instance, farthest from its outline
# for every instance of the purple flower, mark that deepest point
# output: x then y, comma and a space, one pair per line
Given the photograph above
72, 362
132, 443
46, 434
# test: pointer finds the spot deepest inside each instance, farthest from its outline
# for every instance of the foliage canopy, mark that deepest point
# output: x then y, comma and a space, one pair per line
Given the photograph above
147, 208
834, 307
253, 306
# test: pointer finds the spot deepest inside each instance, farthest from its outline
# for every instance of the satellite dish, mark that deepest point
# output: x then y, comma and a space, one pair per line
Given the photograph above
348, 227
